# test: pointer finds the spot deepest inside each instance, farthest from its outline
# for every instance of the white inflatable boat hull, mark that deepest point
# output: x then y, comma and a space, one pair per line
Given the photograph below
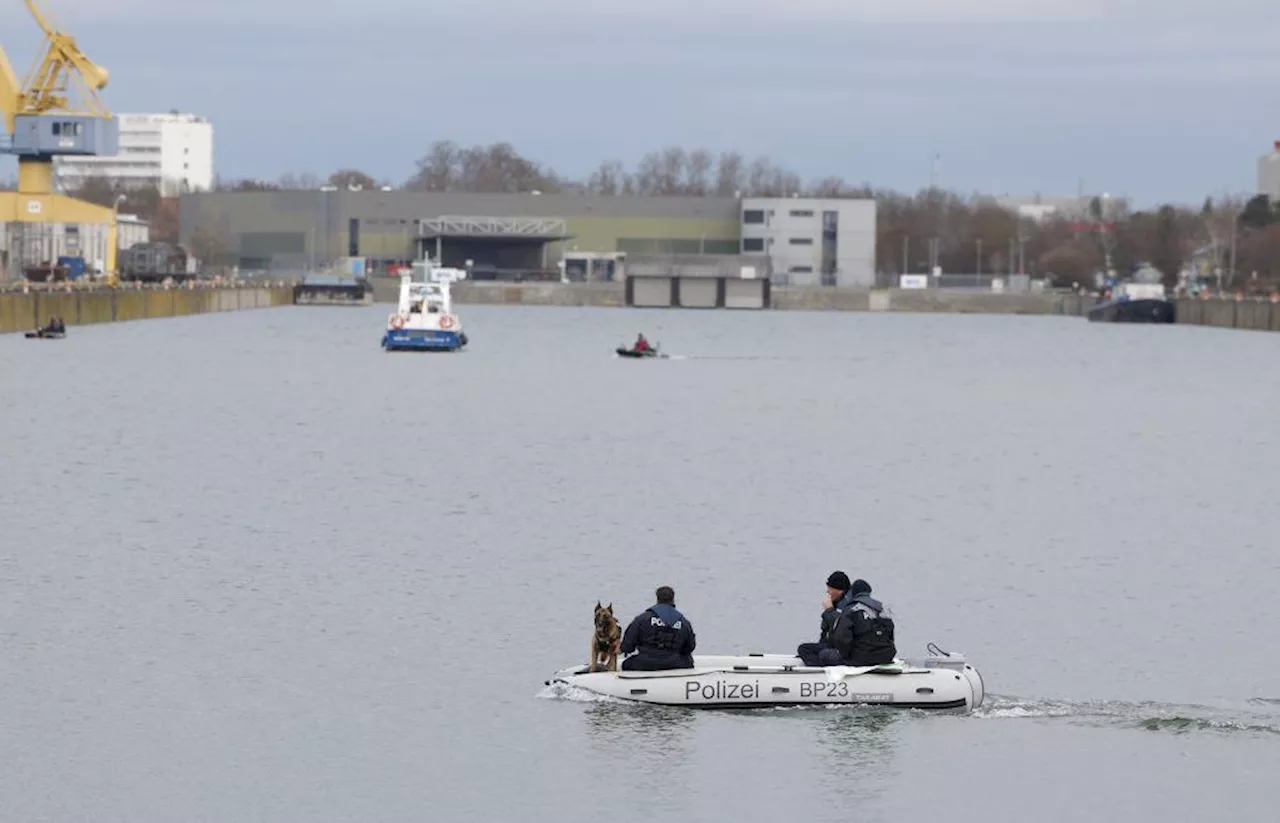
762, 680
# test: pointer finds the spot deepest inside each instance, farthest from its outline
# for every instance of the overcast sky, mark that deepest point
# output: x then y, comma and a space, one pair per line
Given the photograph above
1165, 100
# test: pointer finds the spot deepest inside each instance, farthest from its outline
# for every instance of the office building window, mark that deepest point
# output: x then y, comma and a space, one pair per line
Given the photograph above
830, 233
754, 217
802, 213
353, 237
752, 244
801, 241
801, 269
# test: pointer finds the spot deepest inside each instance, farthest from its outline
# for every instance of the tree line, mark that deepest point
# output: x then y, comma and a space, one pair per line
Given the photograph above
959, 233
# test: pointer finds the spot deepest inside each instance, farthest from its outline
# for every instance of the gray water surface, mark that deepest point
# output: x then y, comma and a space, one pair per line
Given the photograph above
254, 568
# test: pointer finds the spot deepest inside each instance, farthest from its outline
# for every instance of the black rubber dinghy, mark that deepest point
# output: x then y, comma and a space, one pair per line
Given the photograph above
636, 354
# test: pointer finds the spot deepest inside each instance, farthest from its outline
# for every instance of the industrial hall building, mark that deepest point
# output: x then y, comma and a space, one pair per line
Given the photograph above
792, 241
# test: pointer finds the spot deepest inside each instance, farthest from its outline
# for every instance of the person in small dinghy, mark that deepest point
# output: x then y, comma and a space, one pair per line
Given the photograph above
661, 637
862, 634
641, 344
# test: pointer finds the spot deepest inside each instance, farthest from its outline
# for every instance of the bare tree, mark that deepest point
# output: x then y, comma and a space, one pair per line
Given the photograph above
698, 173
1259, 255
499, 168
762, 178
608, 179
254, 185
348, 178
671, 170
437, 169
1221, 220
95, 189
1069, 265
649, 174
495, 168
730, 179
828, 187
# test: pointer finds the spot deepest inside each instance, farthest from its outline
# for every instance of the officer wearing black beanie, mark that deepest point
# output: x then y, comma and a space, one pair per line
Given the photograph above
838, 593
856, 628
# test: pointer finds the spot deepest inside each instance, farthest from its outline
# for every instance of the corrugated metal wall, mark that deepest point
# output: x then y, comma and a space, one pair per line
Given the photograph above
36, 243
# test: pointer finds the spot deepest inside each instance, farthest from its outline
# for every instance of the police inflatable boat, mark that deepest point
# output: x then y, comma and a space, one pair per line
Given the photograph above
938, 681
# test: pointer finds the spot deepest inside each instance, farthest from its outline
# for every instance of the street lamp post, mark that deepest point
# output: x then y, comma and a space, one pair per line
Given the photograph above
1106, 232
112, 261
326, 235
1231, 268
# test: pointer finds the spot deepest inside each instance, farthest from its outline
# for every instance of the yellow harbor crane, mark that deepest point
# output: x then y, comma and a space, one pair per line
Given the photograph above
54, 111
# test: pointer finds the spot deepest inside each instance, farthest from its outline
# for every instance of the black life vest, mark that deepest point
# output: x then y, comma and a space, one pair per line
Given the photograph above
661, 638
873, 642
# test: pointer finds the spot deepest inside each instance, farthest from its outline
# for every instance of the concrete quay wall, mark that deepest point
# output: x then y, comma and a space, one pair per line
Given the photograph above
1222, 313
1218, 312
386, 290
23, 311
926, 301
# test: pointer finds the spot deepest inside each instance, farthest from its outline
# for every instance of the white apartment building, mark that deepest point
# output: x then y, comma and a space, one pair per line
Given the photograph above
812, 241
171, 151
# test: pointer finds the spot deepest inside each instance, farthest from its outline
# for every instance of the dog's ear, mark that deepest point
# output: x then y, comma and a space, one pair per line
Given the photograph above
597, 605
609, 608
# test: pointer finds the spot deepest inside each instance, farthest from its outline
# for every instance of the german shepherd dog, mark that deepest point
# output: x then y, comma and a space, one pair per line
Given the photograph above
605, 640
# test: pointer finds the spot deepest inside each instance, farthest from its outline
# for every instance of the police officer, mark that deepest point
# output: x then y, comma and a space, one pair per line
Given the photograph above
837, 600
863, 631
661, 637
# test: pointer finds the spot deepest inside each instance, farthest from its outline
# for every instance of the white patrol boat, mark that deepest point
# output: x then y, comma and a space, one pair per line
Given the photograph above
424, 318
938, 681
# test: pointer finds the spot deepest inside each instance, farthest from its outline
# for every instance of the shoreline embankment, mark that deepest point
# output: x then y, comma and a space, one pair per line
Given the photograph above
27, 310
1242, 313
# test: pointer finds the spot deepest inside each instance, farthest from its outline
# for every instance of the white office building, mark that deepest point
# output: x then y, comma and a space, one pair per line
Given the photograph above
173, 152
813, 241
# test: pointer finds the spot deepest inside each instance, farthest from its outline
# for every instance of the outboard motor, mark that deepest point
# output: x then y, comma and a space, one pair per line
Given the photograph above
938, 659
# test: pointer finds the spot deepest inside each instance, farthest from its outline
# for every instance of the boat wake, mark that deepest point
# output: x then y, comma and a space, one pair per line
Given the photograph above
748, 357
752, 357
1150, 716
1262, 719
574, 694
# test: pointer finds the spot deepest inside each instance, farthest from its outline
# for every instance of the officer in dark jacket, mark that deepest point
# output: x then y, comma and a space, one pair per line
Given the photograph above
837, 600
661, 636
863, 632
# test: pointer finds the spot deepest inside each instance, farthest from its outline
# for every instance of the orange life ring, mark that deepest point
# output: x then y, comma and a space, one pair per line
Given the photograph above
446, 321
397, 322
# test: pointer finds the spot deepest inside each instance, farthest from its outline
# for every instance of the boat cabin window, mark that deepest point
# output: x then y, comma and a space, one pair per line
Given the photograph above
415, 307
